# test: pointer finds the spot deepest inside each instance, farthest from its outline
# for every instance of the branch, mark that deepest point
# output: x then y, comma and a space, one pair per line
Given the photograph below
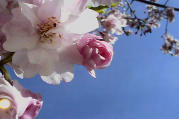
157, 5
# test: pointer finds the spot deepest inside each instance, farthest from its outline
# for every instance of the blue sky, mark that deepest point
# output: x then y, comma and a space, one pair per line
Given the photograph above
141, 83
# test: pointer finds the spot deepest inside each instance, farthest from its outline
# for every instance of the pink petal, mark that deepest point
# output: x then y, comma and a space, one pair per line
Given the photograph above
19, 33
51, 8
85, 23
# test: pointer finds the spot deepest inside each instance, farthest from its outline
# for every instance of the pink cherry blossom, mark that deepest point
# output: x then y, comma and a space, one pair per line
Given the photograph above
114, 23
96, 54
108, 37
42, 35
20, 103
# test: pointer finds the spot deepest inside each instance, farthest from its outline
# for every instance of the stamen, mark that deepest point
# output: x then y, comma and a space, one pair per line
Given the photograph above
44, 30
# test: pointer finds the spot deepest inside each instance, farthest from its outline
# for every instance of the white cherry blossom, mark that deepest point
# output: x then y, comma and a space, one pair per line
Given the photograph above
42, 35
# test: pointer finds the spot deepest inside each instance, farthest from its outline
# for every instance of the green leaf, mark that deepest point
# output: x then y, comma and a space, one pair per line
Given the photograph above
7, 59
115, 4
99, 9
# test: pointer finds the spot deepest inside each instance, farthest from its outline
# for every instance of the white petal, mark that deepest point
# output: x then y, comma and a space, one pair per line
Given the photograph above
42, 56
72, 9
67, 76
51, 8
29, 70
68, 56
19, 33
45, 59
65, 69
37, 56
18, 71
86, 22
54, 78
74, 6
19, 74
92, 73
65, 72
28, 11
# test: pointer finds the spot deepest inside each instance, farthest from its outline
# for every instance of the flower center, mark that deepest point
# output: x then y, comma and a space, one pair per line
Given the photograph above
4, 104
44, 30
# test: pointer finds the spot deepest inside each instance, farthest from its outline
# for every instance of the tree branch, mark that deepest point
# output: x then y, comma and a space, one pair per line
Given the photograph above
156, 4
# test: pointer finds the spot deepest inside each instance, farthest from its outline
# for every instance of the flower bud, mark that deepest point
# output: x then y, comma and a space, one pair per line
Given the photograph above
96, 54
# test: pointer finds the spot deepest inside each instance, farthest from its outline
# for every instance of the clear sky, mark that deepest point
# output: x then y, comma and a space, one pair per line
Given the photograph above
141, 83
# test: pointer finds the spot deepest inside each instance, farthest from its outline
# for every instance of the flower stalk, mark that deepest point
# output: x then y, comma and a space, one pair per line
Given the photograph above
3, 69
156, 4
7, 59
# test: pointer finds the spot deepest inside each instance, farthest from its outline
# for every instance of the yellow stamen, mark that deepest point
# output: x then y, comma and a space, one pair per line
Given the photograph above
44, 30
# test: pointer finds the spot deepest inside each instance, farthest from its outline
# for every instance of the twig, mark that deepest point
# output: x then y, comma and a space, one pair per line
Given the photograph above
131, 10
166, 27
156, 4
128, 5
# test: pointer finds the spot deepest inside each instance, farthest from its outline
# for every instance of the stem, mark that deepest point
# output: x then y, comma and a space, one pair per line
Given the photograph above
157, 5
7, 59
6, 74
3, 70
131, 10
166, 2
128, 4
166, 27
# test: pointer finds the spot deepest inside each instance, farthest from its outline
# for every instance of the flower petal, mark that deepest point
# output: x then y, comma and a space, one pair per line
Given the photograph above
28, 10
86, 22
92, 73
24, 104
29, 70
68, 56
74, 6
41, 57
51, 8
71, 9
19, 33
64, 72
54, 78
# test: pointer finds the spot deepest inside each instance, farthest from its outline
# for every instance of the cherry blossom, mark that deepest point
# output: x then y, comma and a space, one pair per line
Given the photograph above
96, 54
17, 102
170, 14
114, 23
48, 37
44, 43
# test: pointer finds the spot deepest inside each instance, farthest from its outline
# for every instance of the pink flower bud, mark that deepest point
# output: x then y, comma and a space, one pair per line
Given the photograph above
96, 54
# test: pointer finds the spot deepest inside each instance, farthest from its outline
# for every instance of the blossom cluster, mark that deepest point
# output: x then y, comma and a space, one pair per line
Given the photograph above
49, 37
51, 44
171, 45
